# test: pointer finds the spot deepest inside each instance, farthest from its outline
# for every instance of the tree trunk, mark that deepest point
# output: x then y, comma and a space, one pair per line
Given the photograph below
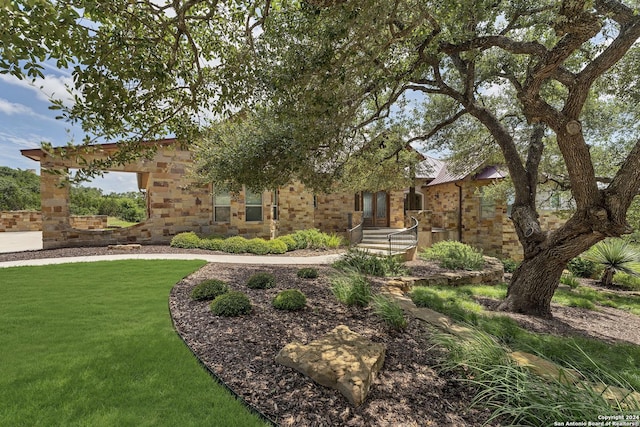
607, 277
533, 285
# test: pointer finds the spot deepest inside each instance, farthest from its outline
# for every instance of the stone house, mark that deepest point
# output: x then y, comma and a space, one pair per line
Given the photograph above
448, 206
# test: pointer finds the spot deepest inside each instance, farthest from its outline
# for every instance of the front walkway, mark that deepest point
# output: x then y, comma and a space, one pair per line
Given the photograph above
18, 241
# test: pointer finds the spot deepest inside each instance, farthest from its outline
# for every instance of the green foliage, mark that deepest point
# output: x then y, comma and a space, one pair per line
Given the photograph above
257, 246
211, 244
289, 241
616, 256
262, 280
390, 312
235, 245
187, 240
307, 273
131, 211
582, 267
454, 256
517, 396
569, 280
276, 246
351, 289
130, 207
365, 262
209, 289
459, 306
19, 190
315, 239
627, 281
231, 304
290, 299
509, 265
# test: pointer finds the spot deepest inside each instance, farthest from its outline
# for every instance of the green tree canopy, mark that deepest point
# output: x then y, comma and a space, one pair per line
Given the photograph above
19, 190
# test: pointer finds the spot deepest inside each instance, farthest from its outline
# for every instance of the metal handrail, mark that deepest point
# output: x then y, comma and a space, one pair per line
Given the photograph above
356, 234
404, 239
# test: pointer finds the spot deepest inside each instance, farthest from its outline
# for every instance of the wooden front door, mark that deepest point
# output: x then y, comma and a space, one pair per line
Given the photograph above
375, 209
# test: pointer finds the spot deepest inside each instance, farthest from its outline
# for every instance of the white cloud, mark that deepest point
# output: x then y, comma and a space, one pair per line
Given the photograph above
31, 140
49, 87
10, 108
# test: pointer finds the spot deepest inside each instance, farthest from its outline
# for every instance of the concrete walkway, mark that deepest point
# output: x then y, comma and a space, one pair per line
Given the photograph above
230, 259
18, 241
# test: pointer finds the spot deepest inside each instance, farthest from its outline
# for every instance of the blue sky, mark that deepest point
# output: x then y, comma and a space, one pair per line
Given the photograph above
26, 121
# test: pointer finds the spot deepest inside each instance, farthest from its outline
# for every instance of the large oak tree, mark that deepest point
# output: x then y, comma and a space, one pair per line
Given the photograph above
320, 82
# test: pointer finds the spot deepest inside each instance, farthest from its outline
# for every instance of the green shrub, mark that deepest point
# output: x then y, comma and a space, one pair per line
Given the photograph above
307, 273
300, 239
185, 240
261, 280
333, 241
292, 245
235, 245
209, 289
627, 281
276, 246
231, 304
351, 289
569, 280
582, 267
257, 246
390, 311
454, 255
211, 244
365, 262
315, 239
291, 299
509, 265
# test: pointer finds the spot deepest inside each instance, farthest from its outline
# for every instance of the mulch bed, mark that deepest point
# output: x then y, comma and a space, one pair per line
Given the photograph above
241, 352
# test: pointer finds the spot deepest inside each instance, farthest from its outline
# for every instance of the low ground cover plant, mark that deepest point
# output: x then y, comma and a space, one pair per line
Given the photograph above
290, 299
454, 255
351, 289
312, 239
307, 273
262, 280
231, 304
582, 267
209, 289
364, 262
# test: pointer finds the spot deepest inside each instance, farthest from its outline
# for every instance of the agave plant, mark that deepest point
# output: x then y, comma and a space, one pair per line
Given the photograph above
615, 255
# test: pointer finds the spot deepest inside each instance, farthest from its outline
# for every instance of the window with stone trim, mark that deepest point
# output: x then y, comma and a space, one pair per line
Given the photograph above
487, 207
222, 206
253, 206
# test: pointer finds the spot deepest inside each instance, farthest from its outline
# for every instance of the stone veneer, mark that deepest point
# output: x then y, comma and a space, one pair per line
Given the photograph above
20, 221
88, 222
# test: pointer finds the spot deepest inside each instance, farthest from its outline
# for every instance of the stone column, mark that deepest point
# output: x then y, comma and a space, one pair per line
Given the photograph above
54, 194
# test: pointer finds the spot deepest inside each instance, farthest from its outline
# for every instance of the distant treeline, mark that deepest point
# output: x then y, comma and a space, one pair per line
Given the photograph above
20, 190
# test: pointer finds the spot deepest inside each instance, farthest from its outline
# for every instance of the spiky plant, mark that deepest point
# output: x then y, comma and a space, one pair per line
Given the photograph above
616, 256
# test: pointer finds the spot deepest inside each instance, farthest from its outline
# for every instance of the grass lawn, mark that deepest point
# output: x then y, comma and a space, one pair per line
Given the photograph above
113, 221
93, 344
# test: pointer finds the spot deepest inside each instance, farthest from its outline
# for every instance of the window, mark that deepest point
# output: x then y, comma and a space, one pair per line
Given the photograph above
487, 207
222, 207
417, 201
253, 206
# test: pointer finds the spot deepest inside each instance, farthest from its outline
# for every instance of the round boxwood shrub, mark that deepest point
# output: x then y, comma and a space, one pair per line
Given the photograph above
257, 246
211, 244
209, 289
231, 304
291, 299
289, 241
235, 245
185, 240
277, 246
261, 281
307, 273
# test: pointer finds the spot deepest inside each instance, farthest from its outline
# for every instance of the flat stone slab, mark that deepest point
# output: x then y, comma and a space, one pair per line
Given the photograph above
342, 360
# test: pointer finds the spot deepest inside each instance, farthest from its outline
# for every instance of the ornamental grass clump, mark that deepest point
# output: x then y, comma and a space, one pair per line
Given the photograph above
351, 289
231, 304
307, 273
390, 312
261, 280
291, 299
209, 289
454, 256
365, 262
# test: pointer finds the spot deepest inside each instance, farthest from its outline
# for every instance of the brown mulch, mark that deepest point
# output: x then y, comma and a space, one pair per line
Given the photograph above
409, 391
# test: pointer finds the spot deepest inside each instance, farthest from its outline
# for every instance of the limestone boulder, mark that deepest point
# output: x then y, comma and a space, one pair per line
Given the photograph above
342, 360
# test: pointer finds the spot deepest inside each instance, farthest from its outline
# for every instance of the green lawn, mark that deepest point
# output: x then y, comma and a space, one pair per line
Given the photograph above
93, 345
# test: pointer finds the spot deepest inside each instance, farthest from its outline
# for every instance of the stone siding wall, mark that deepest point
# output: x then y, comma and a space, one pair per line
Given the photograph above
295, 208
88, 222
20, 221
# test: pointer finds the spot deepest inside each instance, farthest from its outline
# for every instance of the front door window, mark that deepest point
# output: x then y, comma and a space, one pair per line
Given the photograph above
374, 209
